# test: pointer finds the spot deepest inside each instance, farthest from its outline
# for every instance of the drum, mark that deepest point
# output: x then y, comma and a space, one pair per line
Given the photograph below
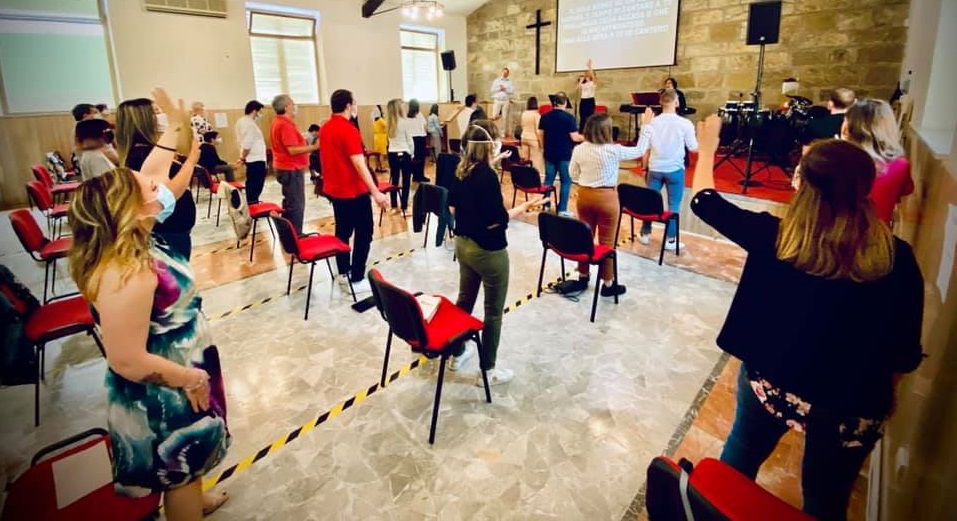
730, 124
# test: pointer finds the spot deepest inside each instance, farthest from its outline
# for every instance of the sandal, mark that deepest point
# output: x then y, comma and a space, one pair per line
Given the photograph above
217, 501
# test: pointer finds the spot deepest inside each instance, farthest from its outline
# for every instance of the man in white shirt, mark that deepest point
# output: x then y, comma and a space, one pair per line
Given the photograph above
668, 135
464, 114
252, 150
502, 91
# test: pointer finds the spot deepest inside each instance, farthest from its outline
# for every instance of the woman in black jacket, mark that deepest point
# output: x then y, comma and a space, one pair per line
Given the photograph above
826, 318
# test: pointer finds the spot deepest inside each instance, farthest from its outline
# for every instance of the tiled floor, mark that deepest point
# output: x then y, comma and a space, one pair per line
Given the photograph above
569, 438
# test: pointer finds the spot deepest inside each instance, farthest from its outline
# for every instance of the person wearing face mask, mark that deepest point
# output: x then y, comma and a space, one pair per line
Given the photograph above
252, 150
480, 242
290, 158
166, 406
198, 121
209, 156
138, 136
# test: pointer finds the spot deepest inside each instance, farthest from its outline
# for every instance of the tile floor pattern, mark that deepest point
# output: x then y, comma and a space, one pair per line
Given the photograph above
569, 438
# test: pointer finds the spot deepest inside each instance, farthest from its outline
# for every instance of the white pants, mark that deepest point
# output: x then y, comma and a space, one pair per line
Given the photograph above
501, 107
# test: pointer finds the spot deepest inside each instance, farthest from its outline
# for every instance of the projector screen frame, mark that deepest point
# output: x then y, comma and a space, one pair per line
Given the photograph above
673, 63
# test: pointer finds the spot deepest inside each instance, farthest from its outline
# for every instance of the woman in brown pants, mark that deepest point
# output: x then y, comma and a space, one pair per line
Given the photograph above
594, 168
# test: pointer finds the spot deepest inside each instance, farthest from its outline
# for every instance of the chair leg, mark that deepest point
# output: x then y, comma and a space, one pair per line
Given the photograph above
562, 260
482, 355
425, 241
615, 266
99, 343
438, 398
385, 361
541, 272
381, 213
331, 274
351, 289
46, 280
53, 280
209, 204
514, 195
292, 262
219, 209
312, 269
271, 230
632, 228
664, 239
36, 402
252, 243
42, 361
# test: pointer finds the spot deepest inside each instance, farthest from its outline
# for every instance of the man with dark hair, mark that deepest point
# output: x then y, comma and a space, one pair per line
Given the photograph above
558, 132
93, 153
464, 114
84, 111
829, 126
312, 138
349, 185
290, 158
252, 150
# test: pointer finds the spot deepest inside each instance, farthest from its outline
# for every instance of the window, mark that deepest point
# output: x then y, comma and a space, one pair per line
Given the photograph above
284, 56
44, 47
420, 65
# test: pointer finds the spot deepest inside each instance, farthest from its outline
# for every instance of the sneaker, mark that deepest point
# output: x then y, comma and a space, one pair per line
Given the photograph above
671, 245
343, 281
573, 286
644, 238
361, 286
613, 290
458, 362
496, 376
566, 213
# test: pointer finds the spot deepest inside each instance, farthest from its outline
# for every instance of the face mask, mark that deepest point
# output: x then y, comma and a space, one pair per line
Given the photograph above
355, 111
295, 110
162, 123
167, 202
98, 116
257, 116
218, 140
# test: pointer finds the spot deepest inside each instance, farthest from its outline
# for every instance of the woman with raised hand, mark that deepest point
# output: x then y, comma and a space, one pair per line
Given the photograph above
586, 88
826, 318
166, 404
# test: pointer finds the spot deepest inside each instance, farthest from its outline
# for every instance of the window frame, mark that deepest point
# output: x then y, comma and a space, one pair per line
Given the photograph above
250, 33
435, 51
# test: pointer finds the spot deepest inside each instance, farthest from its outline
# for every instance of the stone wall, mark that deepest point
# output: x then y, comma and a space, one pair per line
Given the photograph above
824, 43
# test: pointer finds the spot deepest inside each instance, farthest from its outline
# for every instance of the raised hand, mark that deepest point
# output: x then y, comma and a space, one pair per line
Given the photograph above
708, 134
647, 116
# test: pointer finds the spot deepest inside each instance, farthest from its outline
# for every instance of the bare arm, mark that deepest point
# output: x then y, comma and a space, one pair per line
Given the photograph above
302, 149
359, 161
576, 137
707, 146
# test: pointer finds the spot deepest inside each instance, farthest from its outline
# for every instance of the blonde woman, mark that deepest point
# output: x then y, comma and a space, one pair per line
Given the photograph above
480, 243
401, 149
852, 295
594, 169
167, 411
531, 144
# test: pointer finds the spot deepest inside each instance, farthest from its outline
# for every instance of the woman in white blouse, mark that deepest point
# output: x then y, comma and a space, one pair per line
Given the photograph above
586, 107
531, 146
419, 132
401, 147
594, 168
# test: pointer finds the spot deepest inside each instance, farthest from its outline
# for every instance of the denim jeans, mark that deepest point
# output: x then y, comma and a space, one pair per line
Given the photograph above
828, 469
566, 180
674, 182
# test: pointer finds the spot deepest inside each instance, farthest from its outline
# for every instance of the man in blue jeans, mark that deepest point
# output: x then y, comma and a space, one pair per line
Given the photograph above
558, 132
668, 135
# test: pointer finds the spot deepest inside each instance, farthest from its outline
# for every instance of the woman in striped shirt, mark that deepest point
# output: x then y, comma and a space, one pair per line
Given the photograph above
594, 168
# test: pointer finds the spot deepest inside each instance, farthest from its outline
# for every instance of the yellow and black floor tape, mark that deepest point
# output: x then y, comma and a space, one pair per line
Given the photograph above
339, 407
259, 240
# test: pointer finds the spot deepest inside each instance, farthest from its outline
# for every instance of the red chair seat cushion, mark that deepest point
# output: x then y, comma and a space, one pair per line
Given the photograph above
537, 189
56, 249
385, 187
238, 185
316, 247
600, 253
60, 210
58, 319
737, 496
63, 188
663, 217
260, 210
449, 322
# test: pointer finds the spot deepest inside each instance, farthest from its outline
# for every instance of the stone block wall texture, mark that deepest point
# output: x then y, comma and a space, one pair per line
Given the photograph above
824, 43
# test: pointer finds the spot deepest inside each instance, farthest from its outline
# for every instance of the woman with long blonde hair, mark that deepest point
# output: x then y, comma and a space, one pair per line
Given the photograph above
480, 243
167, 411
401, 149
826, 317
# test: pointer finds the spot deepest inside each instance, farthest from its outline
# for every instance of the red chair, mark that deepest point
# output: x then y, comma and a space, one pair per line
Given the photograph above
601, 109
308, 249
33, 494
41, 174
527, 180
512, 161
258, 211
642, 203
572, 239
712, 491
56, 319
435, 338
212, 182
545, 109
41, 197
39, 247
387, 188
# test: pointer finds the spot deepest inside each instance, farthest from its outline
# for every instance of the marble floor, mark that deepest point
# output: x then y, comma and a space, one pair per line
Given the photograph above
569, 438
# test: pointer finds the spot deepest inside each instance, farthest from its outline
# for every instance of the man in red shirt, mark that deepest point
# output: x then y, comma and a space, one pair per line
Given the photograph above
350, 186
290, 159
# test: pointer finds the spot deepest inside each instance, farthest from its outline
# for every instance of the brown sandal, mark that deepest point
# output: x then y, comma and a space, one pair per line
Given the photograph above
217, 501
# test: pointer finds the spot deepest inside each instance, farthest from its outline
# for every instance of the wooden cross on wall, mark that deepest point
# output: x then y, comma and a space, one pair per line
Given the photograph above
538, 37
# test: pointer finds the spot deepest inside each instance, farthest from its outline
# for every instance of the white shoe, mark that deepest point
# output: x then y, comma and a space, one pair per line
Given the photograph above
644, 238
458, 362
566, 213
361, 287
496, 376
671, 245
343, 281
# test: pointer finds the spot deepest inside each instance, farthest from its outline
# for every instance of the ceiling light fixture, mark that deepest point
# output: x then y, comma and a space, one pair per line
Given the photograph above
431, 8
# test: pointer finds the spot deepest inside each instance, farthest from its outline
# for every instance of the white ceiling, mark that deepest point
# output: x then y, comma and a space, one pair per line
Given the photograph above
462, 7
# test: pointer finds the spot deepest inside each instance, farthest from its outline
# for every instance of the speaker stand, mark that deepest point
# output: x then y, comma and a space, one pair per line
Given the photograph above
451, 90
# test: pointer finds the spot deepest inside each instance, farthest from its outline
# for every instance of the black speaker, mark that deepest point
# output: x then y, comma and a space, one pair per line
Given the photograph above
448, 61
764, 22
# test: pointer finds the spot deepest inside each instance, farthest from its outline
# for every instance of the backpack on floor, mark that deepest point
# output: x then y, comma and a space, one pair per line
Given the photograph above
18, 359
237, 208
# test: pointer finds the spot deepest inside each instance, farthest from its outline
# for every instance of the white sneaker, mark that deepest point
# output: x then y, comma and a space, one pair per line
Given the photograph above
566, 213
671, 245
458, 362
360, 287
644, 238
343, 281
496, 376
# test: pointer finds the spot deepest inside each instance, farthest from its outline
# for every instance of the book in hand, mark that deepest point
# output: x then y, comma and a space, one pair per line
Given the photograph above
429, 304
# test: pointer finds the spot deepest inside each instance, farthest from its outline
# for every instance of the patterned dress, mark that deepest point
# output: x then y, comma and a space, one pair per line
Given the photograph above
158, 442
